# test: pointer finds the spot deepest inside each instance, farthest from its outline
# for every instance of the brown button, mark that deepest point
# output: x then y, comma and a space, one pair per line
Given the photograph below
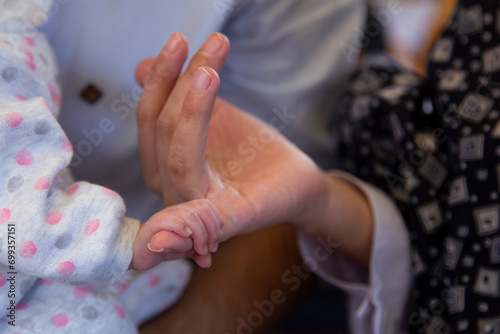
91, 93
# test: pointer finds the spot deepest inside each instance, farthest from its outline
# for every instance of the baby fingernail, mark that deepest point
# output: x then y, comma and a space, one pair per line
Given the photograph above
202, 80
155, 250
188, 230
205, 250
215, 247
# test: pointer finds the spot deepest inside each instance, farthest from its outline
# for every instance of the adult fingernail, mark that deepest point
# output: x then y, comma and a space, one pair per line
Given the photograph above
201, 81
172, 45
155, 250
212, 45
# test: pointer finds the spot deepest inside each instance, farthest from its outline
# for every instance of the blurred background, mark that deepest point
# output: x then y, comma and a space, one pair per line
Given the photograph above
408, 36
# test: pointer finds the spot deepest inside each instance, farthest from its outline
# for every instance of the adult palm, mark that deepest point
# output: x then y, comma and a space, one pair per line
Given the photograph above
194, 145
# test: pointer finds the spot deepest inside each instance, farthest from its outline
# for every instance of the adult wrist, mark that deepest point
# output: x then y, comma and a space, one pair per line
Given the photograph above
342, 215
316, 206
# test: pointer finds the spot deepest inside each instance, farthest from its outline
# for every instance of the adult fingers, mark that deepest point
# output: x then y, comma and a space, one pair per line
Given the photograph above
186, 163
142, 70
157, 88
212, 54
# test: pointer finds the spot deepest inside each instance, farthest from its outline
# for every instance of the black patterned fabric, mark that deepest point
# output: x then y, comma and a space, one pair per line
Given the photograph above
434, 146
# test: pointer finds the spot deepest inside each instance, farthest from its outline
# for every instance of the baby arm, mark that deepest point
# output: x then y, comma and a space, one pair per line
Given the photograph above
72, 232
191, 229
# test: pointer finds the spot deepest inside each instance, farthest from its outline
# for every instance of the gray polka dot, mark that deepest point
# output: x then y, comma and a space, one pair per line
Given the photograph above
104, 296
171, 288
118, 212
15, 183
80, 283
89, 313
100, 269
24, 286
43, 59
9, 74
26, 324
42, 127
63, 241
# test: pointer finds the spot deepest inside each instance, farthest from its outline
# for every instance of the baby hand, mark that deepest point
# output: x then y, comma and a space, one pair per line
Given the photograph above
192, 229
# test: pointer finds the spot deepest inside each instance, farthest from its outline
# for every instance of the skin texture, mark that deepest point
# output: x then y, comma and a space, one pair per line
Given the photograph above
191, 229
246, 269
191, 148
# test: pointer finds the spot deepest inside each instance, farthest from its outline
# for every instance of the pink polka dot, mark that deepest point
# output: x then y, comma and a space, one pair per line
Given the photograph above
29, 55
91, 227
28, 40
42, 183
80, 292
66, 145
65, 268
72, 190
4, 216
21, 306
44, 103
20, 98
13, 119
53, 218
56, 98
3, 280
24, 158
123, 287
109, 192
120, 311
44, 282
30, 65
154, 280
27, 250
59, 320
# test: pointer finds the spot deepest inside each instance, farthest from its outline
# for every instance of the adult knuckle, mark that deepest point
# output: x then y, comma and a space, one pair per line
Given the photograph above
190, 110
164, 126
160, 72
177, 164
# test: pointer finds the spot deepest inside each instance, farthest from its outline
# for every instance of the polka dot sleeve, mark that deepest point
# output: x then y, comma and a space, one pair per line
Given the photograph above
71, 232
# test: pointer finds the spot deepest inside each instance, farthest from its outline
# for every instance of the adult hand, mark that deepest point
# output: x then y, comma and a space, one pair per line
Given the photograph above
194, 145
